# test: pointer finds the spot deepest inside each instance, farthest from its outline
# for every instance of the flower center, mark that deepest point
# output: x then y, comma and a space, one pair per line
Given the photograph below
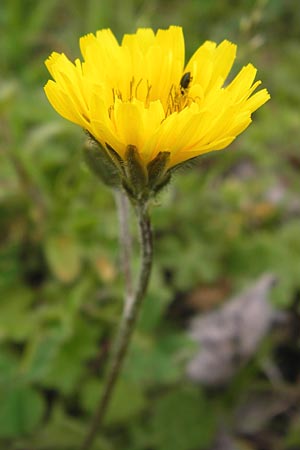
177, 99
137, 89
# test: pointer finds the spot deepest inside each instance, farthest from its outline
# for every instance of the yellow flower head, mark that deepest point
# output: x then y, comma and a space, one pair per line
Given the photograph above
139, 98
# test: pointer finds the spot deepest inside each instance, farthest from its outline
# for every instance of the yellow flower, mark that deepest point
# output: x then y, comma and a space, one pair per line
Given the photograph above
140, 96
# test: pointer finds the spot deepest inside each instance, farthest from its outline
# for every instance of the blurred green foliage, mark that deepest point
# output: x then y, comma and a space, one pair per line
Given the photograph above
221, 223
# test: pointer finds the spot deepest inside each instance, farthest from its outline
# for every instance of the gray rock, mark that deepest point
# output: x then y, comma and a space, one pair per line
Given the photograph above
230, 335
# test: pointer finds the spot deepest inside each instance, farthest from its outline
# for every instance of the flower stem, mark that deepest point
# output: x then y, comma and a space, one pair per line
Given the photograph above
127, 325
125, 240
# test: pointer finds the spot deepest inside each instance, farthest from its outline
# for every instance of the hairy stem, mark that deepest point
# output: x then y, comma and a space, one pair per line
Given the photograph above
126, 327
125, 241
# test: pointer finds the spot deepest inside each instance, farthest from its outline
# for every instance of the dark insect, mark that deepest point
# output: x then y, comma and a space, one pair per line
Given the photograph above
185, 81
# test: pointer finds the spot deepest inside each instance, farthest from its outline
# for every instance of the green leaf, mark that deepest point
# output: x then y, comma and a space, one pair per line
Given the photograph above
8, 364
16, 318
40, 355
21, 409
183, 421
69, 363
63, 256
157, 299
128, 400
63, 433
157, 361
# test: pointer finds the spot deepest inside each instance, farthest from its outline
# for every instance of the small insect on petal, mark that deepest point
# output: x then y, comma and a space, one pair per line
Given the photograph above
185, 82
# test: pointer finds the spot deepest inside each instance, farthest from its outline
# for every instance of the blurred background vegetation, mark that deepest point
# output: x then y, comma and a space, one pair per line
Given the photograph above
220, 225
